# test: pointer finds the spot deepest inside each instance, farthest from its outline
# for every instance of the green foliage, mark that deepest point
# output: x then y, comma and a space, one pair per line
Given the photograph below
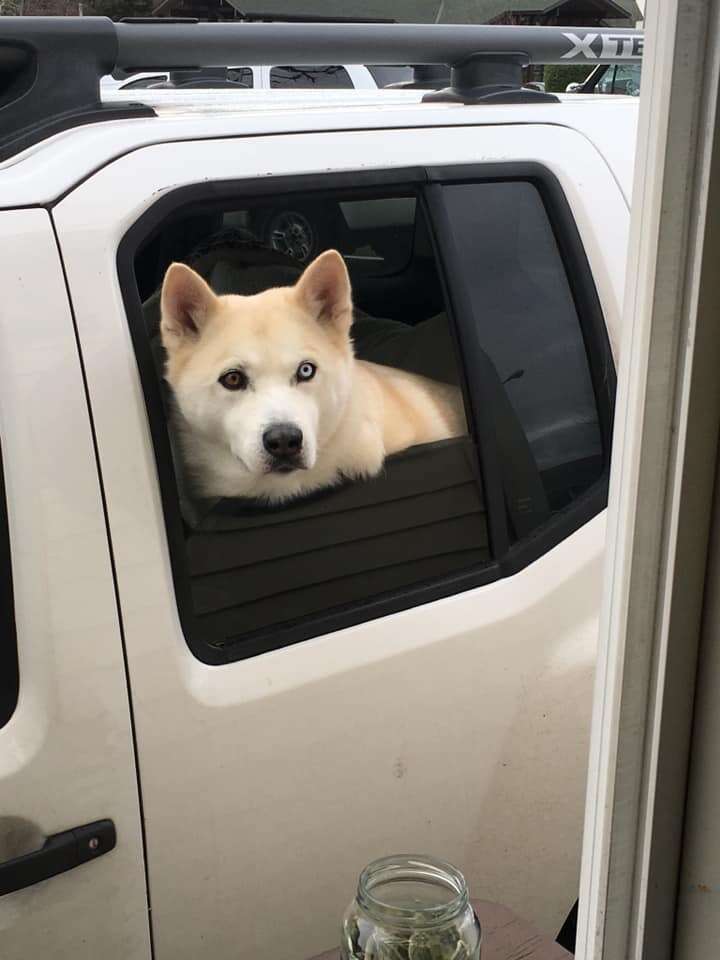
558, 76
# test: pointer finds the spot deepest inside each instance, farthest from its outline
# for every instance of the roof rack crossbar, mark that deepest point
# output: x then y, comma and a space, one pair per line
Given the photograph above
50, 67
144, 46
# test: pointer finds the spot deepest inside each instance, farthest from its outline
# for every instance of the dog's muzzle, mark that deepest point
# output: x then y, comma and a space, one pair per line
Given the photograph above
284, 445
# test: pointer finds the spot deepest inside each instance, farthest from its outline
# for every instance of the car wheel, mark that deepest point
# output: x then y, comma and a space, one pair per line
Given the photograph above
300, 233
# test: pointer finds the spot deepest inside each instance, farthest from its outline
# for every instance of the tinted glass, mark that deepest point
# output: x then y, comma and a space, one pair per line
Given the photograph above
375, 236
605, 83
527, 324
621, 79
241, 75
627, 80
310, 77
392, 74
144, 82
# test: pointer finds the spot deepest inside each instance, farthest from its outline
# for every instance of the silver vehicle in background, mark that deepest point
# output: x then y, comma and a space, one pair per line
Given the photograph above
619, 79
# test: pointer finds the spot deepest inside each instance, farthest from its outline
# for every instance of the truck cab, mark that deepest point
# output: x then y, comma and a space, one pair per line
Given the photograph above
244, 705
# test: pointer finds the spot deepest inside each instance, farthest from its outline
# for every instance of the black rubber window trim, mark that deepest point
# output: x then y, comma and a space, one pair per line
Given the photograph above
9, 669
508, 559
514, 557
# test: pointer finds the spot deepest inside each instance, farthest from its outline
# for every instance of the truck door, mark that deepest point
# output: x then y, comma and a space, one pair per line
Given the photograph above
72, 879
304, 705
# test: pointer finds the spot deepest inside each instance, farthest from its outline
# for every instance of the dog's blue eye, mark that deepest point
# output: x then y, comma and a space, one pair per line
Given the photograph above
306, 371
233, 380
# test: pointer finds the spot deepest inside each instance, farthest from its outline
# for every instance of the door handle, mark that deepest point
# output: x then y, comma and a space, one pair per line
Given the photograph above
60, 852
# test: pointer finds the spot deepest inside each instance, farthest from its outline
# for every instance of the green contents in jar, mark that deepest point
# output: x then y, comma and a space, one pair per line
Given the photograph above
411, 908
421, 945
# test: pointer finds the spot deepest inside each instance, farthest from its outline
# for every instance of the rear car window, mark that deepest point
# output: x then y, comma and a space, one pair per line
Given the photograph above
621, 80
325, 77
384, 75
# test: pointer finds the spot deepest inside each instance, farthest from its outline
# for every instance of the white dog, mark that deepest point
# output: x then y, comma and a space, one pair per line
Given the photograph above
272, 403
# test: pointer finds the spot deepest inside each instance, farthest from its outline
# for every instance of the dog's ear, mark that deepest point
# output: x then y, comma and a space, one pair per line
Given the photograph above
185, 303
324, 289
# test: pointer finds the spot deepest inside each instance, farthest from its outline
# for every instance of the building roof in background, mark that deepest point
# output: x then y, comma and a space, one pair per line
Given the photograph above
615, 12
404, 11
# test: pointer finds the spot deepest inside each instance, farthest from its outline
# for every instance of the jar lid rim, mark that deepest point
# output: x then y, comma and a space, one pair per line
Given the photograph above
415, 867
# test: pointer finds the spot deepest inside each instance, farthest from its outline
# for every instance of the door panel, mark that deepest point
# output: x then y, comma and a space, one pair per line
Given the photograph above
457, 728
66, 754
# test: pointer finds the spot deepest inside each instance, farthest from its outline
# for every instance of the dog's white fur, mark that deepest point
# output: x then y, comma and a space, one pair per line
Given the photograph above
352, 413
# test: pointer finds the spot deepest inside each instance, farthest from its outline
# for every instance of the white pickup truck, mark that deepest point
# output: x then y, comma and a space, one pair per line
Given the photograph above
233, 708
347, 76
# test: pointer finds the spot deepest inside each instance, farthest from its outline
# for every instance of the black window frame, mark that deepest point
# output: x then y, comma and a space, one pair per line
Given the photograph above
9, 666
507, 558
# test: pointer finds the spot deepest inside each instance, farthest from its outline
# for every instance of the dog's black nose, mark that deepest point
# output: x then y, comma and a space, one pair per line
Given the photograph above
283, 440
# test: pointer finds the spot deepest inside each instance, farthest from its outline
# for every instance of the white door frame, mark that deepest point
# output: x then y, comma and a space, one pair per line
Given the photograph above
660, 501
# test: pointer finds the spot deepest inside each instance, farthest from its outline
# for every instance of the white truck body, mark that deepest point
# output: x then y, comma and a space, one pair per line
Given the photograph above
248, 795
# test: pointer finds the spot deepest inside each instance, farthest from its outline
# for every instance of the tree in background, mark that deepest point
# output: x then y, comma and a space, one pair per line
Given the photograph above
558, 76
39, 8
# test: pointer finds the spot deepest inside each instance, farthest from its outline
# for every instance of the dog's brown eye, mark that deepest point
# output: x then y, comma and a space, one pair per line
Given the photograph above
306, 371
234, 380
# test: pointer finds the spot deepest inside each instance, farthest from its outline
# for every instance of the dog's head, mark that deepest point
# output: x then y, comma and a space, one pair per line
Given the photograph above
266, 375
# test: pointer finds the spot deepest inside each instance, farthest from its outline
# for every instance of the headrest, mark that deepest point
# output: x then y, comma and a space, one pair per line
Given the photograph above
231, 264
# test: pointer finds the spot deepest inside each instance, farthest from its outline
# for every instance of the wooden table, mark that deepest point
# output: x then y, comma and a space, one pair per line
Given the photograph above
505, 937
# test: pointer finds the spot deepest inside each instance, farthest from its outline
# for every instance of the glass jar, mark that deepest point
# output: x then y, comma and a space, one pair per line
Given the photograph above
410, 908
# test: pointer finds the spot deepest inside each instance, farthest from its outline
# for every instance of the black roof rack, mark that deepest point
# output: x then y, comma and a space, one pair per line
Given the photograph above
426, 76
50, 67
